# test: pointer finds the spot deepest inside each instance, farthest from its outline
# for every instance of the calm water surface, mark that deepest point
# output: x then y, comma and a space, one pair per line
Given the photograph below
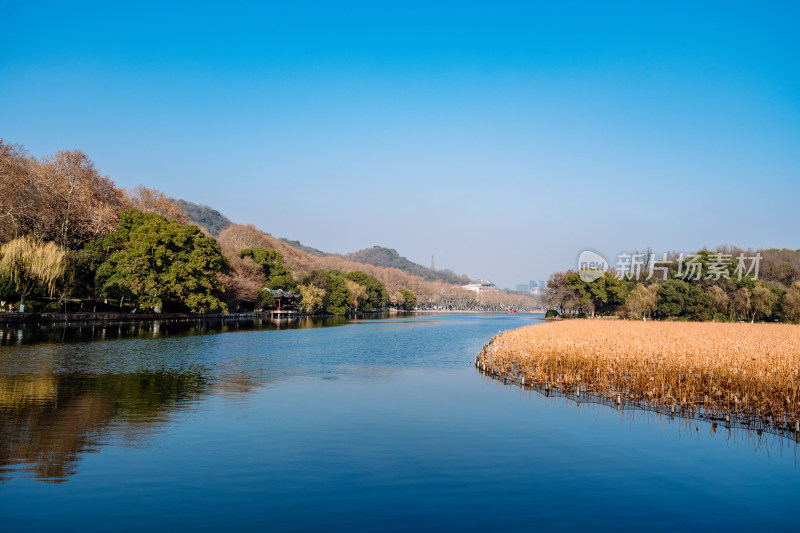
361, 425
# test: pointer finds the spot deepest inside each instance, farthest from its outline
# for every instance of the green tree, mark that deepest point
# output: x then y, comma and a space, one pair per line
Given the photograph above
409, 298
582, 298
762, 301
317, 277
376, 291
276, 274
282, 281
672, 296
8, 289
82, 268
162, 264
266, 258
605, 292
697, 305
265, 299
338, 297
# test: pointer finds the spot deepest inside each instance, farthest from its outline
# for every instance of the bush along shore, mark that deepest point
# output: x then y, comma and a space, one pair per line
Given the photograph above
742, 375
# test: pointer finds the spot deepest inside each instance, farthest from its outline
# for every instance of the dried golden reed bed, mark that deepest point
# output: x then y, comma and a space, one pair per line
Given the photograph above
748, 371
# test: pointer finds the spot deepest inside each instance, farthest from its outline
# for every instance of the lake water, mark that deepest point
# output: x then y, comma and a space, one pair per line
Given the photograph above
359, 425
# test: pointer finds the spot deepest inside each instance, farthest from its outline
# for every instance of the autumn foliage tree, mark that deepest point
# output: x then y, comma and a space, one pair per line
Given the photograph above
149, 200
62, 198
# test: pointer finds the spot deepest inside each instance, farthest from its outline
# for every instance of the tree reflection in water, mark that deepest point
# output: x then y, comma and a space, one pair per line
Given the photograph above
66, 390
48, 421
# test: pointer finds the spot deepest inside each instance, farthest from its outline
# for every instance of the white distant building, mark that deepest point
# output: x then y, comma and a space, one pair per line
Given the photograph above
537, 287
478, 286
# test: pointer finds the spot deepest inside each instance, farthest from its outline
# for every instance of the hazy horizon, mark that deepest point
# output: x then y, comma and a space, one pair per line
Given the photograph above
502, 140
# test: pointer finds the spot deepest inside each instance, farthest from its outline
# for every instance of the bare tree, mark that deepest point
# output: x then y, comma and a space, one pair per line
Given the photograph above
76, 203
17, 191
154, 201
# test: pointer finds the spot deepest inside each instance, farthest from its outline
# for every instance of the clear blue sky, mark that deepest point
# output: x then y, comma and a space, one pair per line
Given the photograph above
502, 137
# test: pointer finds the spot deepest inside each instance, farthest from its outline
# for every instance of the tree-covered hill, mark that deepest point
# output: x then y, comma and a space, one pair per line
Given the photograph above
388, 257
215, 222
306, 249
205, 217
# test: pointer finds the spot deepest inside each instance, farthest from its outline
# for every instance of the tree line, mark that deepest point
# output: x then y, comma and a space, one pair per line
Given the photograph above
725, 284
69, 235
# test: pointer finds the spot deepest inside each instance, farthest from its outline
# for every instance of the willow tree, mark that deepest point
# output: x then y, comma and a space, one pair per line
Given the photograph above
30, 264
312, 298
642, 301
791, 303
358, 293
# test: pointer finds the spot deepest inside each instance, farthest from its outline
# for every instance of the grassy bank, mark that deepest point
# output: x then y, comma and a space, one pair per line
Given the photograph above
750, 372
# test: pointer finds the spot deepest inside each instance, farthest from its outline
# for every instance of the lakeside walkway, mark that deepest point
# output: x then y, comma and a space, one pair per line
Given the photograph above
55, 318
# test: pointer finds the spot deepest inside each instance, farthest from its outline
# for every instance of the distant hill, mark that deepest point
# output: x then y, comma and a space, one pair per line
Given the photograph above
307, 249
388, 257
215, 222
205, 217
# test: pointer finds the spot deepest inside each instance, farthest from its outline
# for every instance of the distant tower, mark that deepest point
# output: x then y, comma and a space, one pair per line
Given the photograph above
432, 267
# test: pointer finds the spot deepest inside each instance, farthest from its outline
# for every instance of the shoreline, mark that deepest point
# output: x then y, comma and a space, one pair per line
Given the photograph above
104, 317
423, 311
88, 317
588, 397
740, 375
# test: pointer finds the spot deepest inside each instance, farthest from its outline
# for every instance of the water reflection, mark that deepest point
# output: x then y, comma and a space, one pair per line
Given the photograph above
67, 390
15, 335
382, 422
48, 421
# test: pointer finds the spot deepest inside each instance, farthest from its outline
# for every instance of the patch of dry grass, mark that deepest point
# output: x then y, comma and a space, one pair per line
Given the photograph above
750, 371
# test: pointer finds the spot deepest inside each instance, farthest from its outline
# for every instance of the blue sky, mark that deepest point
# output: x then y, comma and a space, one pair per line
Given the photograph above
503, 137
